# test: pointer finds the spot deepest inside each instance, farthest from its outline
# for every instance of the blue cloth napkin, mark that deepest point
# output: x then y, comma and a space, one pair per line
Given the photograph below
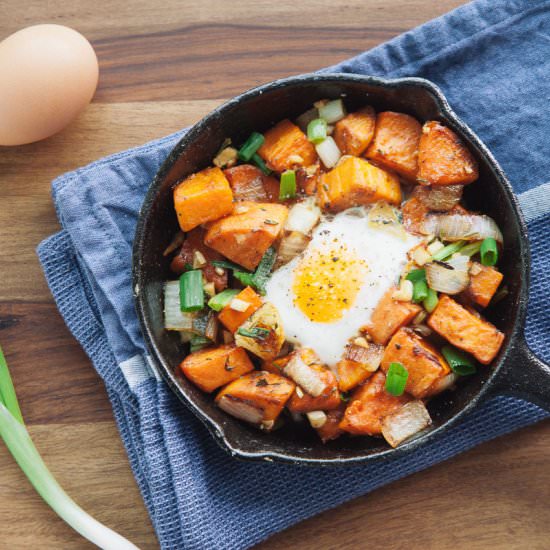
492, 59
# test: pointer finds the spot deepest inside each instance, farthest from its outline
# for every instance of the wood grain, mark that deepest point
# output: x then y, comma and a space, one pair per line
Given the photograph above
163, 66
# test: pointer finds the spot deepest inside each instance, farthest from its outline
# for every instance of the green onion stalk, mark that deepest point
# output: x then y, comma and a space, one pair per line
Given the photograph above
19, 442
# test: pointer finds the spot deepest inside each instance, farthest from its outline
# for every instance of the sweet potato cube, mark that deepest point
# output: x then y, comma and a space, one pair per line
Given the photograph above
389, 316
257, 398
302, 402
202, 197
423, 362
395, 143
248, 232
331, 428
369, 405
211, 368
317, 388
354, 132
249, 183
233, 319
351, 374
443, 159
483, 284
356, 182
277, 365
358, 364
286, 147
465, 330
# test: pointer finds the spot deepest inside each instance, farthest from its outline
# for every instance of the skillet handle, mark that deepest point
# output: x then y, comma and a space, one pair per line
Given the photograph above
524, 375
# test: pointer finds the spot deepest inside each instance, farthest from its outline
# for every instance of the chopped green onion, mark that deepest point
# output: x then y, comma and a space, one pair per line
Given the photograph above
251, 145
199, 342
261, 275
287, 187
416, 275
219, 301
259, 162
257, 333
247, 279
19, 442
448, 250
226, 264
460, 364
259, 278
396, 379
191, 291
317, 130
420, 291
489, 252
332, 111
471, 249
7, 391
431, 300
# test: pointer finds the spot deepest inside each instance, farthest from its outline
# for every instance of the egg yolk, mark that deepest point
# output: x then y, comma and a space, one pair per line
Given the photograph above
327, 282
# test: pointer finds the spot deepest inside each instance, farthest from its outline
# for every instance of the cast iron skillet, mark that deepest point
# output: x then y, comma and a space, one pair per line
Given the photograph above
515, 371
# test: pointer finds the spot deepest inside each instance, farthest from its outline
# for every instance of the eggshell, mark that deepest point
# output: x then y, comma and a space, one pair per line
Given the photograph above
48, 74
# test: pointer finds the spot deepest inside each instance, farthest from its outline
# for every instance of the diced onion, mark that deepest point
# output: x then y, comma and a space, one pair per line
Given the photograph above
291, 245
328, 152
420, 255
369, 356
332, 111
303, 216
458, 227
238, 305
241, 410
451, 276
407, 421
383, 216
174, 318
435, 246
405, 292
304, 376
440, 198
317, 419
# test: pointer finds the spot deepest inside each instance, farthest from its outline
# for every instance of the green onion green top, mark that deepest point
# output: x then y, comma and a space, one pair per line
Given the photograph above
317, 130
199, 342
489, 252
431, 300
396, 379
460, 364
257, 333
259, 162
219, 301
420, 291
470, 249
287, 188
448, 251
251, 145
191, 291
416, 275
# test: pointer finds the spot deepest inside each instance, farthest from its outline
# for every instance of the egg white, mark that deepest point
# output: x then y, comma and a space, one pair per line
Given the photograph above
385, 255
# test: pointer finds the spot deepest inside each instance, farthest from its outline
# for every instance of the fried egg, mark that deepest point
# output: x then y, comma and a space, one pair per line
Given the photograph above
328, 292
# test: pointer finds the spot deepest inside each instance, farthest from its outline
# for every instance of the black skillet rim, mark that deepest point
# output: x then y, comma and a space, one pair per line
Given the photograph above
213, 427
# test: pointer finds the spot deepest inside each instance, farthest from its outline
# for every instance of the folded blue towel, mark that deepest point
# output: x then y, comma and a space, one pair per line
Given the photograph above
492, 59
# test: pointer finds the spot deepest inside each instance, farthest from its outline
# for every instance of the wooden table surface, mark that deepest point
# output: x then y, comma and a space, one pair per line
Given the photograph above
162, 68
